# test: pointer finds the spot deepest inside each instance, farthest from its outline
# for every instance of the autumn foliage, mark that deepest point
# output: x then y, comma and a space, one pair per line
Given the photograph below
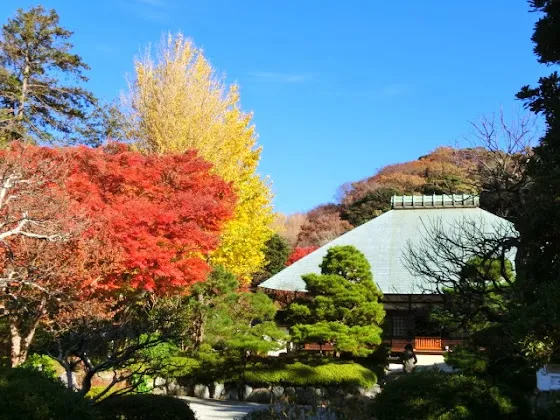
298, 253
324, 223
79, 222
165, 212
47, 259
179, 102
446, 170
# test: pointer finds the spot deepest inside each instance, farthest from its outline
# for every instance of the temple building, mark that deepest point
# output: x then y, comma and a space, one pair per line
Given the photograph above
385, 242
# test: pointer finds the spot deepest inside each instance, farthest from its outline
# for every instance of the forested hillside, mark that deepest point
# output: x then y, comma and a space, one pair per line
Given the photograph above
446, 170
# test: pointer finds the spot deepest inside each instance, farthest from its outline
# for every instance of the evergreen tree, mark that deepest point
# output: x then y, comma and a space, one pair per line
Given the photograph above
220, 286
38, 102
276, 255
240, 326
538, 258
342, 305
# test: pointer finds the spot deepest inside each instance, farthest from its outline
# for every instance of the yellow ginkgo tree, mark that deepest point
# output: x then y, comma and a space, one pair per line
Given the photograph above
178, 102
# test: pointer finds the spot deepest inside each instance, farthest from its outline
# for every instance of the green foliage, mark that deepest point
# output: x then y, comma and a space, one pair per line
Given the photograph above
36, 67
299, 374
276, 253
480, 297
204, 299
28, 394
469, 361
377, 361
44, 364
493, 271
96, 390
435, 395
142, 383
537, 307
445, 183
227, 327
168, 361
347, 262
501, 360
243, 324
342, 305
357, 340
145, 407
237, 322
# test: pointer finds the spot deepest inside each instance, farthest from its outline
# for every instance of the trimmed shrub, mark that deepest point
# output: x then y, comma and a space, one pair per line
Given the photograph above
514, 371
289, 411
432, 395
28, 394
337, 409
145, 407
299, 374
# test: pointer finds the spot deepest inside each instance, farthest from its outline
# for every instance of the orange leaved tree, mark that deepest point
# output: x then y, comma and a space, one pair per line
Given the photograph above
77, 224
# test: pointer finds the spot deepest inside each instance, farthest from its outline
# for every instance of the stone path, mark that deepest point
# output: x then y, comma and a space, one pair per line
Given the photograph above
221, 410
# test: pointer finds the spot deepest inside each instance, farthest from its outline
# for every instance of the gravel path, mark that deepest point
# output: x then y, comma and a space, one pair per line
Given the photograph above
221, 410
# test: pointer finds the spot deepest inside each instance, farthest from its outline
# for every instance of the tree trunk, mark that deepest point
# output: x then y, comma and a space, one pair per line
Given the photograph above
69, 378
24, 86
16, 125
15, 346
199, 323
20, 342
86, 382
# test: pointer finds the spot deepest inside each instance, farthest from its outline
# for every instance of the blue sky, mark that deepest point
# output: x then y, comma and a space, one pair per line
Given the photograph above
338, 89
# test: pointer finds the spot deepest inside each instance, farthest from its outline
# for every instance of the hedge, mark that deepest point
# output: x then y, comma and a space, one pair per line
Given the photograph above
28, 394
432, 395
299, 374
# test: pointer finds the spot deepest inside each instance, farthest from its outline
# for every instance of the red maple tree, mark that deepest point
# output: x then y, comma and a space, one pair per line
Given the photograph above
79, 222
165, 212
299, 253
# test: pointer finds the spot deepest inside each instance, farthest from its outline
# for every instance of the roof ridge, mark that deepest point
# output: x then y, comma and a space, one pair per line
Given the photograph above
413, 202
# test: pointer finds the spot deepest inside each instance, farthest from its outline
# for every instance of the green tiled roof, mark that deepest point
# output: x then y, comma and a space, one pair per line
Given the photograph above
384, 241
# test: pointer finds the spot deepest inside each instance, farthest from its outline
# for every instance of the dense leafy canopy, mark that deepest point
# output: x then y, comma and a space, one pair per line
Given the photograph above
323, 224
79, 222
49, 258
166, 212
179, 103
